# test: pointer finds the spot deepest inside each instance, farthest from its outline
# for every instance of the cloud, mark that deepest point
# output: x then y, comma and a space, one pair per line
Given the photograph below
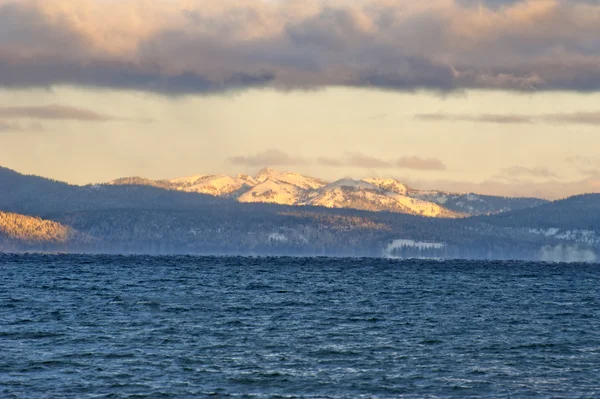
417, 163
486, 118
358, 160
580, 160
363, 161
349, 160
583, 118
10, 127
327, 161
376, 117
267, 158
206, 46
521, 171
56, 112
590, 172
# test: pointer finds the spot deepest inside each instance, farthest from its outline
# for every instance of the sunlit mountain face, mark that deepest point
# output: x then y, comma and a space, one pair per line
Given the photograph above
374, 194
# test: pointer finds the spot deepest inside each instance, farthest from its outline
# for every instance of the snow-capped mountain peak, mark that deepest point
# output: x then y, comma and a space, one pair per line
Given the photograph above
188, 180
374, 194
390, 185
219, 185
266, 173
247, 178
300, 181
350, 183
272, 191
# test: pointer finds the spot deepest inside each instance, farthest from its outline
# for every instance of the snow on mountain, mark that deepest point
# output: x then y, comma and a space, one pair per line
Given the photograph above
391, 185
475, 204
288, 188
188, 180
424, 208
272, 191
349, 183
303, 182
362, 195
295, 179
265, 174
247, 178
218, 185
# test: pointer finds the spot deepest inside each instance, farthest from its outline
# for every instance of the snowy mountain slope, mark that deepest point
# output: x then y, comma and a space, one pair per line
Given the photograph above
294, 179
475, 204
265, 174
188, 180
362, 195
219, 185
391, 185
347, 183
374, 194
300, 181
272, 191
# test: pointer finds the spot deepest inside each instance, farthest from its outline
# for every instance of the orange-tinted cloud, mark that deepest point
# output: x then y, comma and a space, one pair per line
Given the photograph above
201, 46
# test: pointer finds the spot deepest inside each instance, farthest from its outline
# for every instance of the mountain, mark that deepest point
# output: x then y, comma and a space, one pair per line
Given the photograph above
218, 185
390, 185
161, 218
271, 229
273, 191
288, 188
38, 196
360, 194
373, 194
581, 212
475, 204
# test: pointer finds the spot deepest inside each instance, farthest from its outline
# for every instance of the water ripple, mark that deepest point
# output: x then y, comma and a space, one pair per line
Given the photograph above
188, 327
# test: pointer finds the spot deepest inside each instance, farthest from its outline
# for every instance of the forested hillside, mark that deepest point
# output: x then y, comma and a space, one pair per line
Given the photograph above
32, 229
37, 196
144, 219
578, 212
23, 233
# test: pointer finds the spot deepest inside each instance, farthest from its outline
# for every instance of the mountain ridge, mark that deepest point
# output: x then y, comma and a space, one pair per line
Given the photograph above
142, 219
374, 194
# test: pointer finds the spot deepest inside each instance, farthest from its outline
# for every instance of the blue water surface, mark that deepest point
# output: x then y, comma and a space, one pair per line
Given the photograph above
187, 327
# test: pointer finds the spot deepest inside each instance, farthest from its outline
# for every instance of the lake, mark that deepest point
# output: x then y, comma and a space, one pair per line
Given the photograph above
79, 326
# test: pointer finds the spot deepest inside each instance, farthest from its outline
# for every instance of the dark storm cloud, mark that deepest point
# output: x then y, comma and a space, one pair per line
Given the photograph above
203, 46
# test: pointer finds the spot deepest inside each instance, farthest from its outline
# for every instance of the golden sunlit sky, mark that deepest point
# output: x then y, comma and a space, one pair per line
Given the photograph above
499, 97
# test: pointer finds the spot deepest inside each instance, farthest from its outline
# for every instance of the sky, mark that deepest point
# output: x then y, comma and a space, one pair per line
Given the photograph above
499, 97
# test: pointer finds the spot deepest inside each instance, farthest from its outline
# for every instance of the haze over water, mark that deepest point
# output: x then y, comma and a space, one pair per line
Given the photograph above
182, 327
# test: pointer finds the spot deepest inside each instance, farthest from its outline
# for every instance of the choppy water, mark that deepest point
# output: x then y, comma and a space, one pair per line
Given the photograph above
183, 327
